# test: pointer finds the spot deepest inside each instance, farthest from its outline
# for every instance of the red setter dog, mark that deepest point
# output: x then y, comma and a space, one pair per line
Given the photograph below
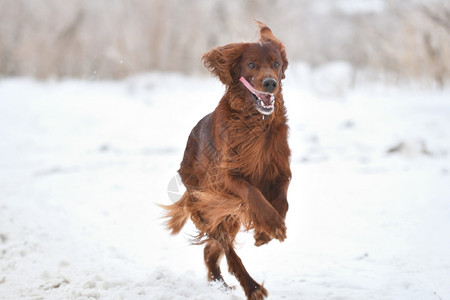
236, 163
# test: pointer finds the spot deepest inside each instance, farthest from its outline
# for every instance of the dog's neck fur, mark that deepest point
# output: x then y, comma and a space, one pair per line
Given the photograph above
252, 144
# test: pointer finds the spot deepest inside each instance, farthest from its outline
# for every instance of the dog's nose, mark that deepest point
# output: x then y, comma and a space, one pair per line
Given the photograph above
269, 84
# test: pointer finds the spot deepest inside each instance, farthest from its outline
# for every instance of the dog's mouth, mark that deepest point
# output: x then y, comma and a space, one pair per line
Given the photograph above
265, 102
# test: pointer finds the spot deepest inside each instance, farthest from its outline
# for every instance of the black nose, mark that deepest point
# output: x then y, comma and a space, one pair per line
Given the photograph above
269, 84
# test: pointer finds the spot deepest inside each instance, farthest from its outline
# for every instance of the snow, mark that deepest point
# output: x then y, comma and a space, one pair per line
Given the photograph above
83, 163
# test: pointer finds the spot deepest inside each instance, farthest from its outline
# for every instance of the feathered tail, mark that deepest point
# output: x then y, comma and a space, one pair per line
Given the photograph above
177, 214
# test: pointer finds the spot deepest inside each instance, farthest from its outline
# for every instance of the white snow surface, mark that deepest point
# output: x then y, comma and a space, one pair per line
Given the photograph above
83, 165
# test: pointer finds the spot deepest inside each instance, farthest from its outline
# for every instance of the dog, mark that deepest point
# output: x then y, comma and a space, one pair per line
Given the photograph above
236, 165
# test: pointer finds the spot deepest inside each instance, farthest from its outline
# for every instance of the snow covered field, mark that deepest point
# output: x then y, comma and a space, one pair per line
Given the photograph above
82, 165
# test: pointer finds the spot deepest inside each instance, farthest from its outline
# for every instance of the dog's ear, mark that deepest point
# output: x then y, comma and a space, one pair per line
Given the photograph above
222, 62
266, 35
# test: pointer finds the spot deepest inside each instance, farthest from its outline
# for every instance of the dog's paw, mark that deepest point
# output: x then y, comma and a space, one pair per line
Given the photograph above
258, 293
279, 232
273, 225
261, 238
221, 285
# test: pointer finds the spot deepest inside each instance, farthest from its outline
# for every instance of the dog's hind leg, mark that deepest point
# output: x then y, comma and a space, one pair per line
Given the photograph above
213, 254
252, 289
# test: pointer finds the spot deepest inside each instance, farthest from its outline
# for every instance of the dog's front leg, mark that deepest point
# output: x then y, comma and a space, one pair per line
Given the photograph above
264, 216
280, 204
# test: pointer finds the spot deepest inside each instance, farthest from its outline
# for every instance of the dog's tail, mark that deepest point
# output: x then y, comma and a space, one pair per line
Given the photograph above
177, 214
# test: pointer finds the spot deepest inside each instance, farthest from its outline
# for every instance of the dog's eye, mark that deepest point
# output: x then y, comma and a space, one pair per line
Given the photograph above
276, 64
251, 65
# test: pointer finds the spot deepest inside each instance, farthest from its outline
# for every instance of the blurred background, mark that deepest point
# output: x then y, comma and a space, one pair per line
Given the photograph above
404, 39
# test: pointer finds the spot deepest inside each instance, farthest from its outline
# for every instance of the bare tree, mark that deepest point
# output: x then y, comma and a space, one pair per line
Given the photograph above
115, 38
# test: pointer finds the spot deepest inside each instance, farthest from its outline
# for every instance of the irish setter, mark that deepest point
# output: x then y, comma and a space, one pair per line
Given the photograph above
236, 163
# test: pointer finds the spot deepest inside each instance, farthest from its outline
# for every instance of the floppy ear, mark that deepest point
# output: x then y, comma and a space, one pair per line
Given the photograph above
221, 61
266, 35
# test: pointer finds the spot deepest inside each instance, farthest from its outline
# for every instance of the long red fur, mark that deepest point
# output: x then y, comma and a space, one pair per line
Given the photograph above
236, 163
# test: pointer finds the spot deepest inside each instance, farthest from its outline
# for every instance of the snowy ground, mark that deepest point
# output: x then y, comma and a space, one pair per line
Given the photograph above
82, 165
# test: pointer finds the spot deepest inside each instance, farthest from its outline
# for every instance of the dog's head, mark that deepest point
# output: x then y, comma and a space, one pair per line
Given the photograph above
256, 67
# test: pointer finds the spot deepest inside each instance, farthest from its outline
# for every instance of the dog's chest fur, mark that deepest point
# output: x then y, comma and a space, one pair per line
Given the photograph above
256, 149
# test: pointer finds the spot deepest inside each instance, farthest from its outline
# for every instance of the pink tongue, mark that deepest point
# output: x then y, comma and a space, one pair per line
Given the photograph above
248, 85
264, 97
